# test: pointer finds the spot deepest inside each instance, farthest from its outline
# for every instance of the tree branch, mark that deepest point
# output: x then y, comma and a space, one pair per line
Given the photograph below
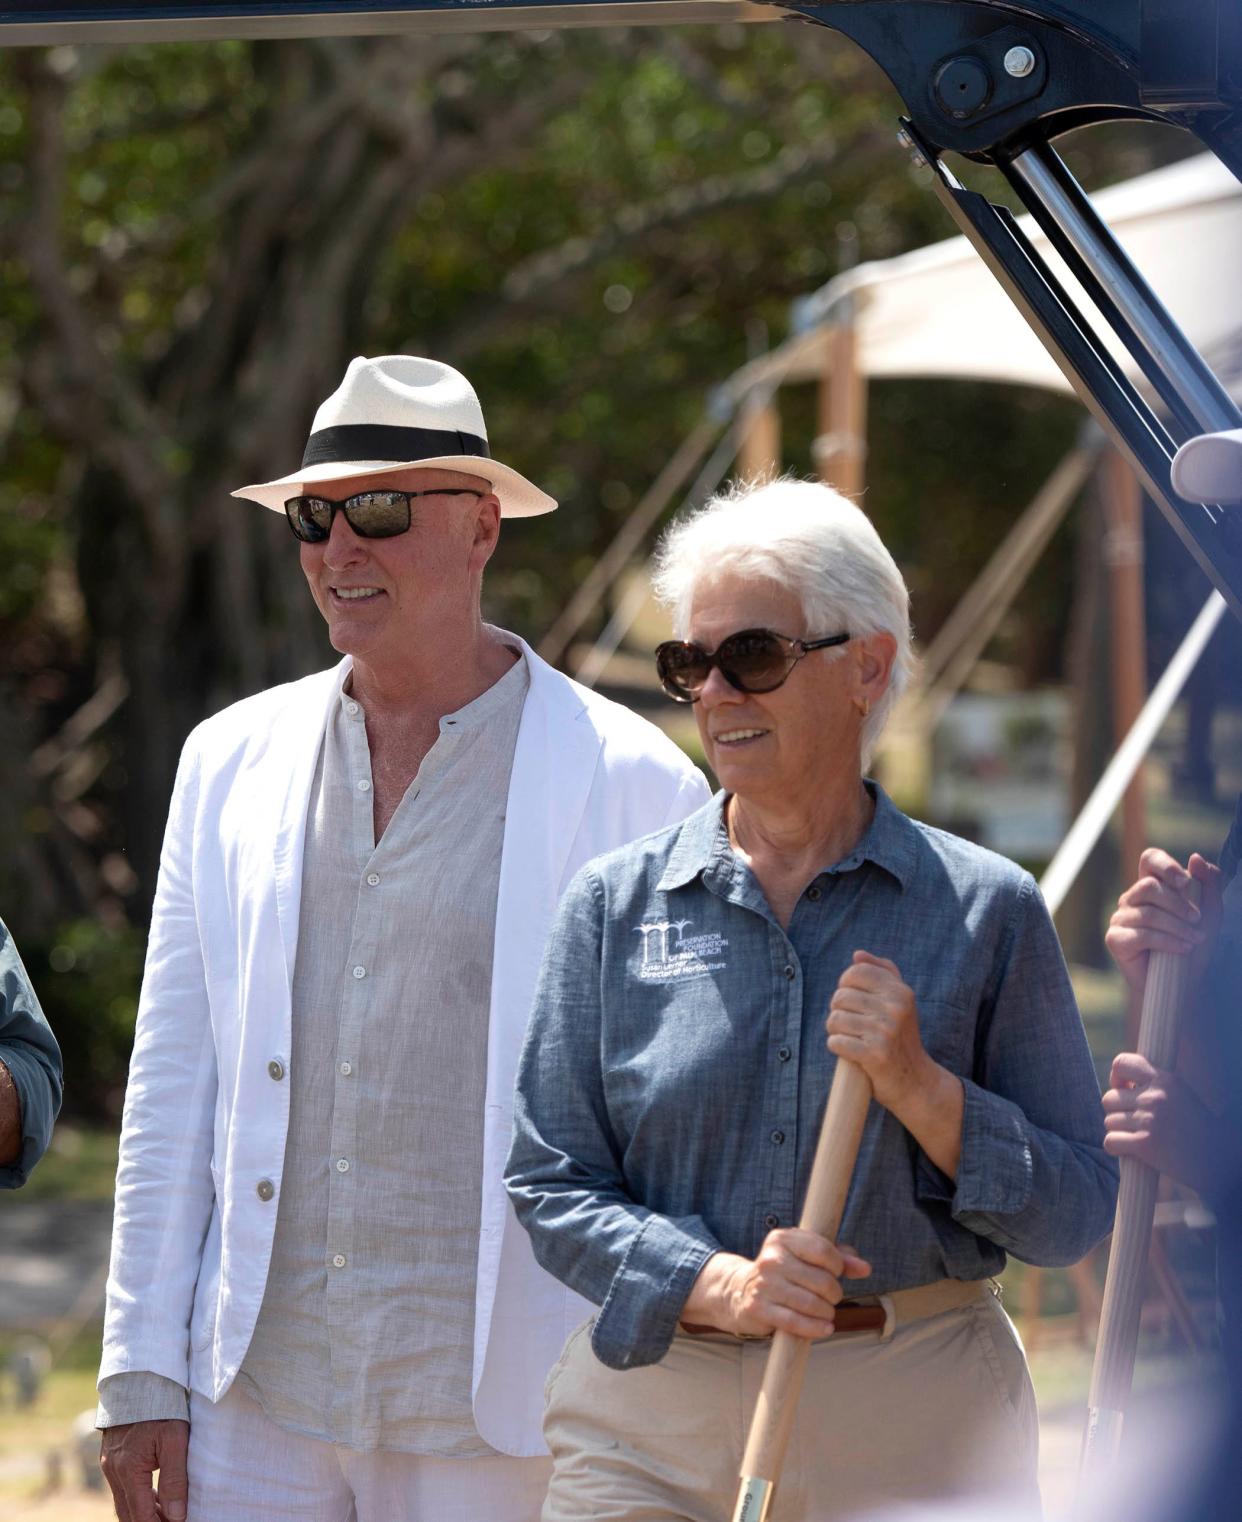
85, 395
538, 279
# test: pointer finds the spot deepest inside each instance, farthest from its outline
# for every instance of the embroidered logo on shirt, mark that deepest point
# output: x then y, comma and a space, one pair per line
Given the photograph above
668, 952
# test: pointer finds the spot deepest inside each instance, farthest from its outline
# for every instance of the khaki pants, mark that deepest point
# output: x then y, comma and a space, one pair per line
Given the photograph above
940, 1408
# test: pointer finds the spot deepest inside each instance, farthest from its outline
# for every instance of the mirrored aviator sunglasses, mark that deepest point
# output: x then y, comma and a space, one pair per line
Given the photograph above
753, 660
371, 514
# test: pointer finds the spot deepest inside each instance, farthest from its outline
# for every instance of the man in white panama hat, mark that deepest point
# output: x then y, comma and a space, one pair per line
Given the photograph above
318, 1289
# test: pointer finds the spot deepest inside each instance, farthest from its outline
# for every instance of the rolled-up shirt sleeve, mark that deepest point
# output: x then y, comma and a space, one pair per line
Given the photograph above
138, 1396
29, 1052
566, 1174
1033, 1177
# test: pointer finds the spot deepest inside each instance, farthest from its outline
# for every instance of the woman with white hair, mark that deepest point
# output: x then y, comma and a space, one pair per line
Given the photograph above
676, 1067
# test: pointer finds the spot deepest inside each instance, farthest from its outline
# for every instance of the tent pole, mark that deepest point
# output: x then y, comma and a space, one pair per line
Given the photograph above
841, 448
715, 468
629, 538
1100, 806
951, 656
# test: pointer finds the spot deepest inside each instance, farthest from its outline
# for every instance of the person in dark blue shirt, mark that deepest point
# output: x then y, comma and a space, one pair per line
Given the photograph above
1188, 1123
31, 1075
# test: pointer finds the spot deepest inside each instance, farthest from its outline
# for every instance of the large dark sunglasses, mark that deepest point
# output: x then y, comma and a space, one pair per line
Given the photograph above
371, 514
753, 660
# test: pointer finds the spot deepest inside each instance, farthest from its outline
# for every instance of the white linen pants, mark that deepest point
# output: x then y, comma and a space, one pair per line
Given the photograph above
244, 1468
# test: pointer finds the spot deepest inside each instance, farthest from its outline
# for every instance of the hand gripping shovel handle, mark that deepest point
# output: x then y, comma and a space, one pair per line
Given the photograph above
831, 1171
1168, 984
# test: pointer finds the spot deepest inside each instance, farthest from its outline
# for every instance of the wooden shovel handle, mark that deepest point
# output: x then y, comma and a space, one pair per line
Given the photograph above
831, 1172
1168, 983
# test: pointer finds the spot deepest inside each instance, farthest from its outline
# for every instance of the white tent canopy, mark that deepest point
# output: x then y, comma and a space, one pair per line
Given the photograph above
939, 311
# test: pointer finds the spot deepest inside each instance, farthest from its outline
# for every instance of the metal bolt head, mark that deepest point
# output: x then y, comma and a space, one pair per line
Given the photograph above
1019, 62
962, 86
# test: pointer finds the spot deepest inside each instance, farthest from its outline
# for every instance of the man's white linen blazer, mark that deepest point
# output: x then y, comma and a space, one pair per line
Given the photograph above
204, 1122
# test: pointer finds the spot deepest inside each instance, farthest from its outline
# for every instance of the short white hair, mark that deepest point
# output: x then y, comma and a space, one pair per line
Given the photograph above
807, 537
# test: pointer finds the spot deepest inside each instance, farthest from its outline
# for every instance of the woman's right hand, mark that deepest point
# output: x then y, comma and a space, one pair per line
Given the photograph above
792, 1286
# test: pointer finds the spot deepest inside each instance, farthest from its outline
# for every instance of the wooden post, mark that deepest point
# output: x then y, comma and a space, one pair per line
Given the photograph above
1123, 554
759, 454
841, 448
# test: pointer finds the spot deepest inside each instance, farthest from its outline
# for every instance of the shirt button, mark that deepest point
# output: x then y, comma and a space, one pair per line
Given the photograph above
338, 1260
265, 1189
777, 1138
771, 1221
342, 1165
360, 971
784, 1054
346, 1069
373, 879
790, 973
815, 893
363, 785
275, 1070
351, 708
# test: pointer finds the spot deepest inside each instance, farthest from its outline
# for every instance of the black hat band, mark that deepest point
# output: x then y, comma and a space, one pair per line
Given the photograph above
349, 443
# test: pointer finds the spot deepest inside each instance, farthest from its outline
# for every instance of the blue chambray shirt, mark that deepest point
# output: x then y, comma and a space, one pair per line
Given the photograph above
29, 1051
676, 1067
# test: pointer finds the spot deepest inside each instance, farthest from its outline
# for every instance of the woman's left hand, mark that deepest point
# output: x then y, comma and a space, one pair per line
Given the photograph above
874, 1021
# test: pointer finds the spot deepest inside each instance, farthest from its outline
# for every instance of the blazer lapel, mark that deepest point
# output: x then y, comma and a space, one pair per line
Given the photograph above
553, 766
301, 728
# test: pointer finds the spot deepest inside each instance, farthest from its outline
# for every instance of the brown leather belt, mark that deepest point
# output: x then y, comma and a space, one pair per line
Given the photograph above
854, 1316
883, 1313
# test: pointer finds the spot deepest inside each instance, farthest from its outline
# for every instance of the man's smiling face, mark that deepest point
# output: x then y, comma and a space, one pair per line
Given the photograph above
381, 596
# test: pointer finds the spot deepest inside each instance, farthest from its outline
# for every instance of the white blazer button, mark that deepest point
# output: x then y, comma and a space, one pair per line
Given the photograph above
275, 1071
265, 1189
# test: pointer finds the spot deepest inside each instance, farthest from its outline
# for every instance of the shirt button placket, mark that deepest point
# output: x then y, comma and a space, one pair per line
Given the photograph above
781, 1122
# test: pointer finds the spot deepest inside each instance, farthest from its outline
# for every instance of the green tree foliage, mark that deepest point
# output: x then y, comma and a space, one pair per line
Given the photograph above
197, 238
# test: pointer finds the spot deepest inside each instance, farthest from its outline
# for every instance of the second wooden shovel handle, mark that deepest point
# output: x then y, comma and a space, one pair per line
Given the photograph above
1169, 979
831, 1172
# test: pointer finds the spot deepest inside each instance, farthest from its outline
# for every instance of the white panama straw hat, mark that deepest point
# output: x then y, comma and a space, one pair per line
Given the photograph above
1209, 468
393, 413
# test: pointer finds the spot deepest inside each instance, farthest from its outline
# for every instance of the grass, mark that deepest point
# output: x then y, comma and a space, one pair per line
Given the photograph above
80, 1164
34, 1441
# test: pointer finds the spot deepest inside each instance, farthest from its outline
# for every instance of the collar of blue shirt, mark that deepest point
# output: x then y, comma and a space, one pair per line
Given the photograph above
703, 840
